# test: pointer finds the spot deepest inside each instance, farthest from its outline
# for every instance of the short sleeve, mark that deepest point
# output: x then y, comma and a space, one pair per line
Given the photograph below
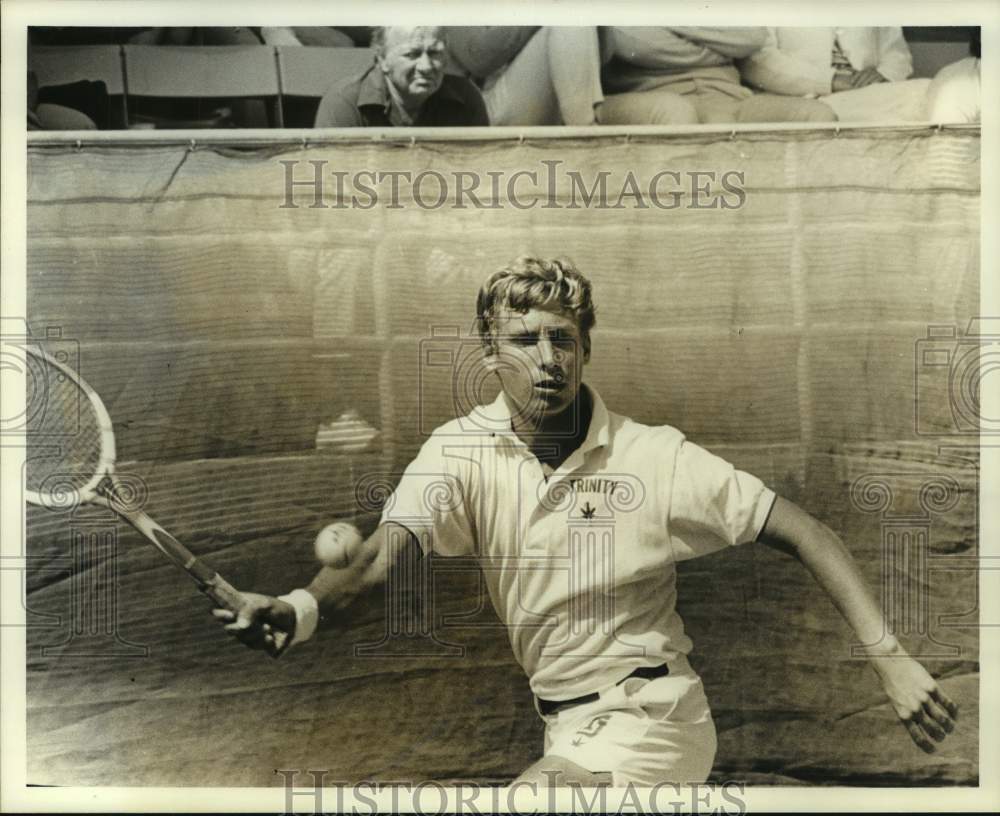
713, 505
432, 501
336, 109
481, 50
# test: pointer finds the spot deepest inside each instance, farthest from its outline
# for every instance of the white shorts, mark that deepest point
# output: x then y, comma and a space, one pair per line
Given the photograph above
641, 731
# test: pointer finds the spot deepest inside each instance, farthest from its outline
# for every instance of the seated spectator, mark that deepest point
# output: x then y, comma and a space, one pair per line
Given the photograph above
687, 76
405, 86
953, 95
531, 75
860, 73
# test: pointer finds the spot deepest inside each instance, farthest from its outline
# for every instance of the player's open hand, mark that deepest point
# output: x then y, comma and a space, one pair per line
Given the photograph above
260, 622
924, 709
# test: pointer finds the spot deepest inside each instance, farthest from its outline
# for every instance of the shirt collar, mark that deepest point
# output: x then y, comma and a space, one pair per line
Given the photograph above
497, 418
375, 91
399, 116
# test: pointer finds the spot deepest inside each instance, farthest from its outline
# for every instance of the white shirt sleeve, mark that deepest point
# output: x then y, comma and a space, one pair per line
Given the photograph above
713, 505
432, 500
785, 71
659, 48
895, 62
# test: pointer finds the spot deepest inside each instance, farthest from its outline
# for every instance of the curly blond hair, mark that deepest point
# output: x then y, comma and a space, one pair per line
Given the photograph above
531, 283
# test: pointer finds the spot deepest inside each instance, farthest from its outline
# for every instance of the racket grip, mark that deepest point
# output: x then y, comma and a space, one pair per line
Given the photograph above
222, 593
218, 589
225, 595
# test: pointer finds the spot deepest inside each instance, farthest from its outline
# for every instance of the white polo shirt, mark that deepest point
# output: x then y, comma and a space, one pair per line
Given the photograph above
580, 566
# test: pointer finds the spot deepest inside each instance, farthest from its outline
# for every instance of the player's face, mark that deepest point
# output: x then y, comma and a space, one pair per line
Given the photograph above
539, 358
414, 61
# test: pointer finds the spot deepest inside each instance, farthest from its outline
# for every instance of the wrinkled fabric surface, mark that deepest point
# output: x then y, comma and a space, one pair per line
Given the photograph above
225, 331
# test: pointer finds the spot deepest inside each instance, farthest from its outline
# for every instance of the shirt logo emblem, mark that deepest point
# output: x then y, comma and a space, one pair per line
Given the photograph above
587, 511
591, 729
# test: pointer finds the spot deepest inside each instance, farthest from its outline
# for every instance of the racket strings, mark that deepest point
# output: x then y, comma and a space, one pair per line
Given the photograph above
64, 434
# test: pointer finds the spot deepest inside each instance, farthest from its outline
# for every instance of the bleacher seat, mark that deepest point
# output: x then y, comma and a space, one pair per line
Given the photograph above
203, 72
307, 72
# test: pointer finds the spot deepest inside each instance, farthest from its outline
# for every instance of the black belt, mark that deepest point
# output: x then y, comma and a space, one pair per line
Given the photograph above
645, 672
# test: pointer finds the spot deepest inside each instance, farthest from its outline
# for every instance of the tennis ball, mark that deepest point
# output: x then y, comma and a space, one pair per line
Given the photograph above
337, 544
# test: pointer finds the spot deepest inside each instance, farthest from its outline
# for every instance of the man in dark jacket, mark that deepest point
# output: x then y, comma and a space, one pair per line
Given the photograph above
406, 86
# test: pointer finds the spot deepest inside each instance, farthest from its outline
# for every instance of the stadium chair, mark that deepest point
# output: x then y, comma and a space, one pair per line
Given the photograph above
65, 73
307, 72
187, 75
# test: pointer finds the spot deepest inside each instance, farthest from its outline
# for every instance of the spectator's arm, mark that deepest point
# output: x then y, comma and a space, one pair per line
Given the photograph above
659, 48
336, 111
772, 69
895, 62
731, 41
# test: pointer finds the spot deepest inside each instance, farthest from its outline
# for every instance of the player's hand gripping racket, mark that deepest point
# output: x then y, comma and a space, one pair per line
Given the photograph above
71, 459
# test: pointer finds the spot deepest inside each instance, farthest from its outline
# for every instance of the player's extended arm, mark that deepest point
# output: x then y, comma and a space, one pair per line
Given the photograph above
352, 568
923, 707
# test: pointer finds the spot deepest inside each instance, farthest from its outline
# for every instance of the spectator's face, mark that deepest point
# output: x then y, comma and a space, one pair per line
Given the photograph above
539, 358
413, 61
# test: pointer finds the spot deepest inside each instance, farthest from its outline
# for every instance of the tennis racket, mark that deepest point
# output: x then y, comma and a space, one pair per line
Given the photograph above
71, 460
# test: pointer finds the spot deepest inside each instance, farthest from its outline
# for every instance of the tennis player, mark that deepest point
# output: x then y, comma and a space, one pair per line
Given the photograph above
591, 618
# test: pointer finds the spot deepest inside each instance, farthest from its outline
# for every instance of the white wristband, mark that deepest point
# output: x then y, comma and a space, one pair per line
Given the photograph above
306, 614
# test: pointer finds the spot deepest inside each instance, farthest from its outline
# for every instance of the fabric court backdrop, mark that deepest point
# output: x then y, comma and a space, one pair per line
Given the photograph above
268, 368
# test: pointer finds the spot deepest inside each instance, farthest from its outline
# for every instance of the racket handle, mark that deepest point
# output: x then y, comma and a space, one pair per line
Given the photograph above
225, 595
222, 593
214, 586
